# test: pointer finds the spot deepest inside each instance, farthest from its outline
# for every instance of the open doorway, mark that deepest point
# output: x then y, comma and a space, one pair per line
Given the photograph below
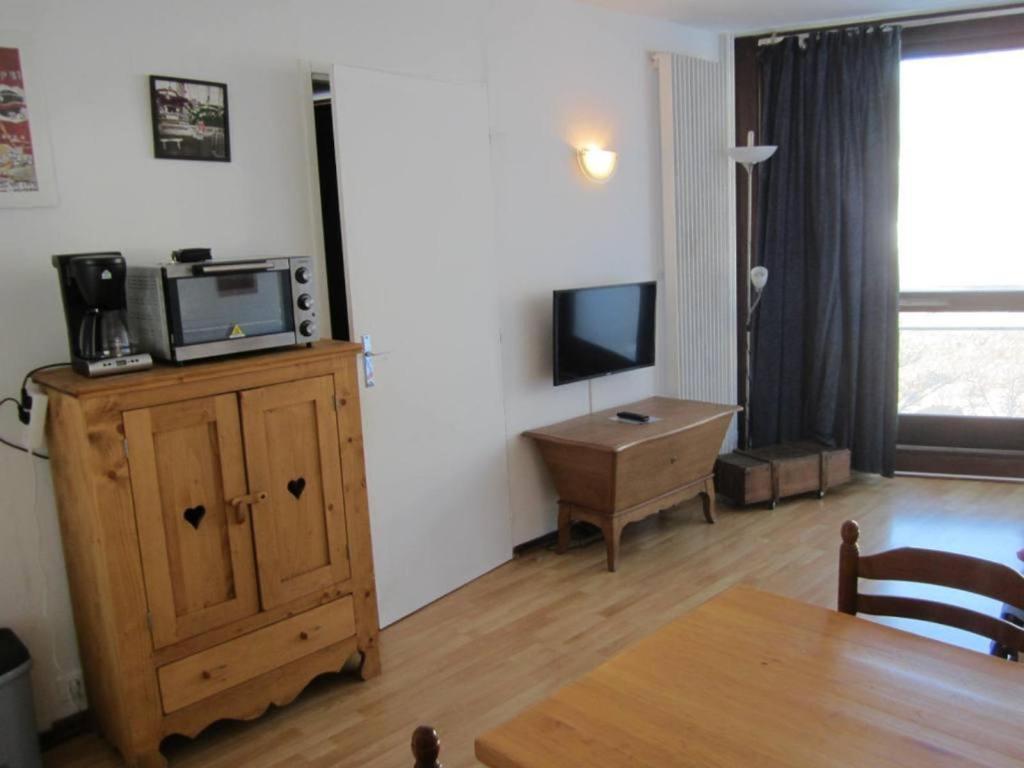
330, 209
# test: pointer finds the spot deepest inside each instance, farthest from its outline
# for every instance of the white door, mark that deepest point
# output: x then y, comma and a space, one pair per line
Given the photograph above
417, 219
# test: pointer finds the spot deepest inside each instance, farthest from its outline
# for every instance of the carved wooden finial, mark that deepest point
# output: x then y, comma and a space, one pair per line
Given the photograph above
851, 532
849, 565
426, 746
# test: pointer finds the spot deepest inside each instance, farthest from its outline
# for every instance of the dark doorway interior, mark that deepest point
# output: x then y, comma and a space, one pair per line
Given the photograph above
330, 209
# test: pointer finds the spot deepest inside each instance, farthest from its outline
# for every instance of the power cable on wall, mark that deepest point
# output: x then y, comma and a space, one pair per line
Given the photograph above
24, 409
24, 406
15, 446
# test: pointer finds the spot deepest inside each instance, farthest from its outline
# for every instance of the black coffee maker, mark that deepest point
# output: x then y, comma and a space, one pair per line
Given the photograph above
92, 287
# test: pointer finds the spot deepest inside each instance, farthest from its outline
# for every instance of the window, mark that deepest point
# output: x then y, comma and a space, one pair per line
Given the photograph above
960, 247
962, 363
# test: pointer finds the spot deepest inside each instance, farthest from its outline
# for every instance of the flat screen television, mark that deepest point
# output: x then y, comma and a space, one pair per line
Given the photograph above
604, 330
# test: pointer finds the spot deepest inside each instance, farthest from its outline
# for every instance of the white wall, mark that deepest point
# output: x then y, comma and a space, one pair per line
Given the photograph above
561, 76
557, 72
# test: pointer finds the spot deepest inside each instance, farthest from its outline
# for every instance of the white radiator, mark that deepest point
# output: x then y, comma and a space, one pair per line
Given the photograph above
698, 193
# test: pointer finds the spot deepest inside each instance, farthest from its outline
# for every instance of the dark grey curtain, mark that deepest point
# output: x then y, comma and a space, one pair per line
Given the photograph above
826, 336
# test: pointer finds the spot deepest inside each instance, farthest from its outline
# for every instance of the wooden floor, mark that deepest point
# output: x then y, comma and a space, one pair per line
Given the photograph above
480, 655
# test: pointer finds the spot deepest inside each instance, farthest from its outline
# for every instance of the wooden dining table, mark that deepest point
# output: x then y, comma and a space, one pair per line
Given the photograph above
757, 680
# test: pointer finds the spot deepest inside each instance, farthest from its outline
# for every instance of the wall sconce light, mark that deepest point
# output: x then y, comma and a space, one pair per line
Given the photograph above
597, 164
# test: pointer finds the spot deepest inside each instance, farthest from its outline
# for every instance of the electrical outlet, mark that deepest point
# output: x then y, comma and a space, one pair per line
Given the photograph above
71, 689
35, 428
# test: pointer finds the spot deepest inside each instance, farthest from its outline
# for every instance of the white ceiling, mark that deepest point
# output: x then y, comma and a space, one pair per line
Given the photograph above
762, 15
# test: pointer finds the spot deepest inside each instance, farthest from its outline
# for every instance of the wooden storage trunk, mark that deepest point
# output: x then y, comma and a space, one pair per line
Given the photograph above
743, 479
773, 473
611, 473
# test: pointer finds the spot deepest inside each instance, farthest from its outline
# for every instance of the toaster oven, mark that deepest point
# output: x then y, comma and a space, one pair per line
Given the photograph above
190, 311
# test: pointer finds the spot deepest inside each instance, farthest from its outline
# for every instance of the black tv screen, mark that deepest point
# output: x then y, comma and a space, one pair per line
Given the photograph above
598, 331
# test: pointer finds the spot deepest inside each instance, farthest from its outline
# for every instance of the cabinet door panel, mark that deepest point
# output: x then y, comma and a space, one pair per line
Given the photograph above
197, 555
293, 455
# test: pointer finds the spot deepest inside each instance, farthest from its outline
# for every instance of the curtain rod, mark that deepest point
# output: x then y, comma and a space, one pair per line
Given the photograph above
911, 22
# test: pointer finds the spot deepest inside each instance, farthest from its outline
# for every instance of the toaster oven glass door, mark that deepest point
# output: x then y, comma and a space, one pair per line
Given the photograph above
232, 305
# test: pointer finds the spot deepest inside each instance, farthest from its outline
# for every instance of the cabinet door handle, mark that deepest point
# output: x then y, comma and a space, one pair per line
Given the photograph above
241, 502
209, 673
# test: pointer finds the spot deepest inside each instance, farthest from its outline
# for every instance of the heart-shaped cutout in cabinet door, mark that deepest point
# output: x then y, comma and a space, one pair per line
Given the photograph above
297, 486
194, 515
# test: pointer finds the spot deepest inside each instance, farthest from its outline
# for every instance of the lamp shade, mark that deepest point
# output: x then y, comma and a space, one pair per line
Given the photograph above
597, 164
752, 153
759, 278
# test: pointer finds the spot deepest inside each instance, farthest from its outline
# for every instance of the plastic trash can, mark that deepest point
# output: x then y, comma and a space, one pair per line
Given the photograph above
19, 744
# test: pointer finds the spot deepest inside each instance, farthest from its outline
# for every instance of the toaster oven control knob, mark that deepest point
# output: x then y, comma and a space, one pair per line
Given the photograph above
305, 302
307, 327
303, 275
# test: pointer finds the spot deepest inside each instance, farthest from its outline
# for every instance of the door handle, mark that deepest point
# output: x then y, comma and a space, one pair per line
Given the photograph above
368, 355
209, 673
248, 500
368, 377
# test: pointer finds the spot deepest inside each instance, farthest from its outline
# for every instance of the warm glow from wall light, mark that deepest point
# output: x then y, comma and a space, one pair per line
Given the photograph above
598, 164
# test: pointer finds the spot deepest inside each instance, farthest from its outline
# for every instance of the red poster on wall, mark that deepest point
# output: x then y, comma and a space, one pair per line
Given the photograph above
18, 166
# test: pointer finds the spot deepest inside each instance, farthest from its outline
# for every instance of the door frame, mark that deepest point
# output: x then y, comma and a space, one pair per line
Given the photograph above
306, 69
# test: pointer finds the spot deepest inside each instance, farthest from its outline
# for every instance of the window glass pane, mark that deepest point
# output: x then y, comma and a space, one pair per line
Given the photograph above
962, 363
962, 172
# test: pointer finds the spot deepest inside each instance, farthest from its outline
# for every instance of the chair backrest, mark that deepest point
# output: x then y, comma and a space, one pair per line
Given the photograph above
928, 566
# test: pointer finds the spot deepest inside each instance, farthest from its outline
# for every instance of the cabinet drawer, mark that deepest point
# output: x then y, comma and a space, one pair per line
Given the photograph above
224, 666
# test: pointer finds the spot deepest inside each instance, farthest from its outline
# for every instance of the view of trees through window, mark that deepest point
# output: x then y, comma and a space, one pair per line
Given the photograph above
962, 363
961, 209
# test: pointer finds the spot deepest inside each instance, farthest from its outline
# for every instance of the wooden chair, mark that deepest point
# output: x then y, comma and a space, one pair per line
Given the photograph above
926, 566
426, 747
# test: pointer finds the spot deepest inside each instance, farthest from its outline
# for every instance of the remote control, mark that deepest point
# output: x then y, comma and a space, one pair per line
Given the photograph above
630, 416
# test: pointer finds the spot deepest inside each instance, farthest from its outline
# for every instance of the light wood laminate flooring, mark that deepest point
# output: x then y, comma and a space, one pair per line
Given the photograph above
477, 657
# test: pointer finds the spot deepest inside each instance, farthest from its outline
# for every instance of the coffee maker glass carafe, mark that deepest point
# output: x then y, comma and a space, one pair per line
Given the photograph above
115, 339
104, 334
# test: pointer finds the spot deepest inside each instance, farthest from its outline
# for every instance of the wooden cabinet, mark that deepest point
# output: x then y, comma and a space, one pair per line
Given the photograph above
216, 534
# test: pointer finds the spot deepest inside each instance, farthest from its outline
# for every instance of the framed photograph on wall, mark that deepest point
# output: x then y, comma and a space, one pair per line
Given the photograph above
190, 119
26, 169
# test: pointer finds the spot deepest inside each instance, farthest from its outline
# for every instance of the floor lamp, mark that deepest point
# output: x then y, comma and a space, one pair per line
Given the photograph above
757, 277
